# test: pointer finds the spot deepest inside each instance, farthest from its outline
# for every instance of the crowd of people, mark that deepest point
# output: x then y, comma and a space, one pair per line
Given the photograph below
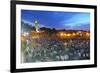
47, 50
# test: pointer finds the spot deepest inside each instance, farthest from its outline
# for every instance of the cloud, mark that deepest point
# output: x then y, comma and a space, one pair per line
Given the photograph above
32, 24
77, 20
25, 21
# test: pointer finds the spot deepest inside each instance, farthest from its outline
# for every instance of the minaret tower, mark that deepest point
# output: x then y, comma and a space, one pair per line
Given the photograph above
36, 26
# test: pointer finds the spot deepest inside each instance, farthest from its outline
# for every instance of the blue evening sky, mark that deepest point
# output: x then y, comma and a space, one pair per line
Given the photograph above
58, 20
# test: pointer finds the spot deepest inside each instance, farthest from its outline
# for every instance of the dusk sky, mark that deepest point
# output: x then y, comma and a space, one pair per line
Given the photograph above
58, 20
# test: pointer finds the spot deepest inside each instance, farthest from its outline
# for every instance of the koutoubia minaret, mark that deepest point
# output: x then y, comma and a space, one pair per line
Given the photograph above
36, 26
